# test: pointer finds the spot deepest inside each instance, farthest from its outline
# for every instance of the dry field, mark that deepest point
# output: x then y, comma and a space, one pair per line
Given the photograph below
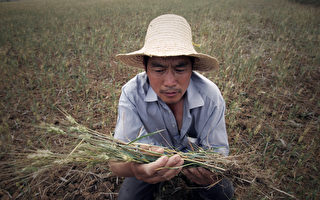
61, 53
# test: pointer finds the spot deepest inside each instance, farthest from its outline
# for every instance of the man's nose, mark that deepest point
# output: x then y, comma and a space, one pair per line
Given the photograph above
170, 79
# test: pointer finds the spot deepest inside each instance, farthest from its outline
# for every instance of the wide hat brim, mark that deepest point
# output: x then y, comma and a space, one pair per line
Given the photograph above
202, 62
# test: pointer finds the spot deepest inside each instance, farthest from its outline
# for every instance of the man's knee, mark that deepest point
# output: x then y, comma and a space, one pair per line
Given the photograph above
132, 188
221, 191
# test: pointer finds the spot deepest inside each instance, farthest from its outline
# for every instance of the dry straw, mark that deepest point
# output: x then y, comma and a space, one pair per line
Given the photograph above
96, 148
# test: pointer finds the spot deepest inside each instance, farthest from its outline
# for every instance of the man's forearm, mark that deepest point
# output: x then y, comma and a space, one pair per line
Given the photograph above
122, 169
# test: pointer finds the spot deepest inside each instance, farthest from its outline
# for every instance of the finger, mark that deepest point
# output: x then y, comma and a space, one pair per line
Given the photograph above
151, 148
157, 149
187, 173
204, 172
173, 167
195, 172
211, 177
172, 163
145, 170
195, 176
144, 146
166, 173
174, 160
153, 167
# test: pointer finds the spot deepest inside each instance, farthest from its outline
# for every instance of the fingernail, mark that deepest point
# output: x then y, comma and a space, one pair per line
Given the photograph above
177, 158
164, 158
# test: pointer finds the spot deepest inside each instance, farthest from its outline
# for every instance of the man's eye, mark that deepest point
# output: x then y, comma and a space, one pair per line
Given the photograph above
180, 70
159, 70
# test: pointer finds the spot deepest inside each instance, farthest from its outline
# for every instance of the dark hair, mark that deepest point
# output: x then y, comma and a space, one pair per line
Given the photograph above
145, 62
192, 61
146, 59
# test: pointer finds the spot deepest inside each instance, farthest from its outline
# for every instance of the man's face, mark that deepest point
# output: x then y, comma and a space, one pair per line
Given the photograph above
169, 77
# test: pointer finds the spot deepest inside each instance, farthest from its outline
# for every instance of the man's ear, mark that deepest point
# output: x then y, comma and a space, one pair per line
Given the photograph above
192, 61
145, 62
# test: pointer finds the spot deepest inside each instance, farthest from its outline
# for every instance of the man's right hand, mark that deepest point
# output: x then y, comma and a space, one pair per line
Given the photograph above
163, 169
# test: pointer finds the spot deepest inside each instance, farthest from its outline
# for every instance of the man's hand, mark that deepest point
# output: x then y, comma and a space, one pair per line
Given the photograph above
163, 169
200, 176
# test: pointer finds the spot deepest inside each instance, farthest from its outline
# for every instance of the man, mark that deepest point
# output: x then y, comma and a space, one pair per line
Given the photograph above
170, 96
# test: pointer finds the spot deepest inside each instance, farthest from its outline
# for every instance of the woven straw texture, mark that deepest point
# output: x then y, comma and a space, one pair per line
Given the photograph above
169, 35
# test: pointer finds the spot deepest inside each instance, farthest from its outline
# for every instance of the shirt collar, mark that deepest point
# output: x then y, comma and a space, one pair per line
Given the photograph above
193, 96
151, 95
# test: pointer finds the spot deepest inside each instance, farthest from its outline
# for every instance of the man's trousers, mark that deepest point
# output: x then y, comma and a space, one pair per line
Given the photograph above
133, 189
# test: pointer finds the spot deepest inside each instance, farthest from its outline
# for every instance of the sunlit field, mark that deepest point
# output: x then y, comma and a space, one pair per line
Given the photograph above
61, 54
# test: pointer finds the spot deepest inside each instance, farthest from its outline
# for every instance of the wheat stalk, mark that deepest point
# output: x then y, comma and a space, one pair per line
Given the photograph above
97, 148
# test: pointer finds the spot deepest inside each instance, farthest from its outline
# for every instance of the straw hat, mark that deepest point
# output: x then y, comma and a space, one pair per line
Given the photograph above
169, 35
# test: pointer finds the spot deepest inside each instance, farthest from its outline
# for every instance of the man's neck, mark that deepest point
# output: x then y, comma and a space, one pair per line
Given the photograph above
177, 109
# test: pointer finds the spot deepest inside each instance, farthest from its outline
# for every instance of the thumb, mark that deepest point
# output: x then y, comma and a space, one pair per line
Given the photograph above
152, 167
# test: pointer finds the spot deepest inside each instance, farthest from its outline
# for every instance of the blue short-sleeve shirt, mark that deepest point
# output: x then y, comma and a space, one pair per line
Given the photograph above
141, 112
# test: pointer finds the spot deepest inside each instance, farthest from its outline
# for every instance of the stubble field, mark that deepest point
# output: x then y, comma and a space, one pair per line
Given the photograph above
62, 54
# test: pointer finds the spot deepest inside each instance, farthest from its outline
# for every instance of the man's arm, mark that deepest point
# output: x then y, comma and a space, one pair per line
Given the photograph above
121, 169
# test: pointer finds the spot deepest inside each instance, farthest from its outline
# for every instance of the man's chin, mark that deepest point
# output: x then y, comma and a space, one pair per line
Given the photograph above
170, 100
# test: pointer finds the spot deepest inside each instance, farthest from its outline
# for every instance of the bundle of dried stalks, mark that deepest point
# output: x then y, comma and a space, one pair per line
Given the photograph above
97, 148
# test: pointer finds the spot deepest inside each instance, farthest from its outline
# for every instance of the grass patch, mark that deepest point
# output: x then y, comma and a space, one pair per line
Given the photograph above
61, 53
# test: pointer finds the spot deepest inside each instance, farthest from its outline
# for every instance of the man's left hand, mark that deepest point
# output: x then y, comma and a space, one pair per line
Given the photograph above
200, 176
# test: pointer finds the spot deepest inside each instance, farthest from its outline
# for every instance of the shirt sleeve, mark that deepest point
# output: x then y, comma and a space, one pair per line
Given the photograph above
214, 134
129, 125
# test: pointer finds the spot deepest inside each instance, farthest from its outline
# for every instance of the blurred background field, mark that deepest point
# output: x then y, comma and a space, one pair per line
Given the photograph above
62, 54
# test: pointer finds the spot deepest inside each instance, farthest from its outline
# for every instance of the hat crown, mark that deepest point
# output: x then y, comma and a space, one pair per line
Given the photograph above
168, 35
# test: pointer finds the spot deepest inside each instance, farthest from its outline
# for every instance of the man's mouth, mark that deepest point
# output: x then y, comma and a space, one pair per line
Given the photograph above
170, 93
